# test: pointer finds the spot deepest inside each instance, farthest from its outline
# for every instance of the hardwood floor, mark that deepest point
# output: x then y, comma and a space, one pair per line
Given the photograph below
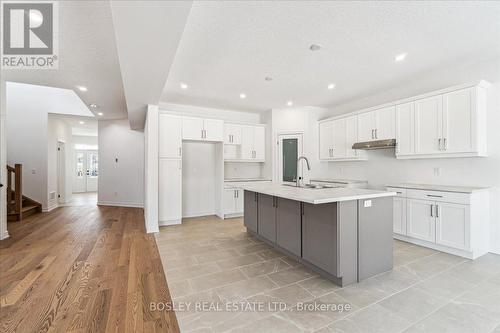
82, 269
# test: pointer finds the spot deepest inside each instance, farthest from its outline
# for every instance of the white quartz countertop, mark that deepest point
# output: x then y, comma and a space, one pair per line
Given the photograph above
315, 196
229, 180
235, 184
436, 187
341, 181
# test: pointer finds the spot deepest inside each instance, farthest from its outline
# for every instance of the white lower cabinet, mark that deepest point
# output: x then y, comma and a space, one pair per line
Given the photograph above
452, 225
421, 222
399, 213
453, 222
233, 201
169, 191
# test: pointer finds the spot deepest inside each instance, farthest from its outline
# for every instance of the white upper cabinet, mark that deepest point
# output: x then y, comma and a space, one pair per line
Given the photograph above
214, 129
170, 136
192, 128
366, 126
232, 134
336, 138
377, 125
325, 140
428, 125
259, 142
459, 121
199, 129
405, 120
385, 123
339, 138
245, 143
351, 126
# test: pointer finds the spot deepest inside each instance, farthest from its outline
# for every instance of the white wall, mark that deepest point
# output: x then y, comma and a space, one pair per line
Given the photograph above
199, 179
383, 168
85, 140
58, 130
3, 161
121, 183
28, 107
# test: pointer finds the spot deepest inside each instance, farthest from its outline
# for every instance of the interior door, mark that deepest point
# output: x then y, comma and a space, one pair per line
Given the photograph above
289, 150
192, 128
366, 126
421, 220
170, 136
452, 225
385, 123
405, 128
214, 129
325, 140
428, 125
339, 138
92, 170
458, 121
80, 176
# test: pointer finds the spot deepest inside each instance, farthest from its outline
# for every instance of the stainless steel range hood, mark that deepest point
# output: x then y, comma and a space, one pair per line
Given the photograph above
372, 145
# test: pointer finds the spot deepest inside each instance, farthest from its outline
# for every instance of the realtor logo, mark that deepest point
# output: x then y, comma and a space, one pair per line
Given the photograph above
29, 35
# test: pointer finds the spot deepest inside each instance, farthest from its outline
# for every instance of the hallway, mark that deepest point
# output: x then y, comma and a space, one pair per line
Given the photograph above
82, 268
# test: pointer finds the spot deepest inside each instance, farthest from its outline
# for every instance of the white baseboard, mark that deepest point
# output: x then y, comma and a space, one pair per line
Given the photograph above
230, 216
197, 214
120, 204
50, 208
169, 222
5, 235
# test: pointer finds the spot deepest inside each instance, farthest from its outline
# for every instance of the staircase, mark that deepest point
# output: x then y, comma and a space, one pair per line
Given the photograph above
18, 205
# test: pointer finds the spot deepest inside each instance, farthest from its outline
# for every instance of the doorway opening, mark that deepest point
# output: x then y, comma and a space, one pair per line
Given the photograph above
290, 147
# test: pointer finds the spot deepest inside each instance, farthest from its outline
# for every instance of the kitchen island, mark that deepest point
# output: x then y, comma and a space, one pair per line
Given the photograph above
345, 234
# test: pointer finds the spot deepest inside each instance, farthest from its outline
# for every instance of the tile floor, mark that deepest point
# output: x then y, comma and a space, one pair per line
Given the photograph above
211, 263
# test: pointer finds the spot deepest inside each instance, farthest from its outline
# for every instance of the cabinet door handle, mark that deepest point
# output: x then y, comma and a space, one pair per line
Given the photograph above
437, 210
445, 146
439, 144
376, 134
180, 151
302, 208
372, 133
255, 197
434, 195
432, 215
276, 202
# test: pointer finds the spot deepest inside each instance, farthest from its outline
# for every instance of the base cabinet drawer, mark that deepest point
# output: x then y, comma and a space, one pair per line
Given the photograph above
288, 225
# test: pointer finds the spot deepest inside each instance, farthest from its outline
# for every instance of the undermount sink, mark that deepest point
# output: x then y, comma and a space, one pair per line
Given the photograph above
311, 186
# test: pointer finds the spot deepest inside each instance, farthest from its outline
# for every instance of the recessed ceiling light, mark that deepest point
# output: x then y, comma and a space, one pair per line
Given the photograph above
100, 113
184, 86
243, 96
331, 86
289, 103
93, 106
268, 78
82, 88
315, 47
81, 122
400, 57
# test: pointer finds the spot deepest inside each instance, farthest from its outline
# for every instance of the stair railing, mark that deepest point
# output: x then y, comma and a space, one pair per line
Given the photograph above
15, 194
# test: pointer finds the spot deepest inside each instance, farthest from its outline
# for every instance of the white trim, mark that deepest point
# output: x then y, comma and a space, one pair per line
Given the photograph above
50, 208
434, 246
189, 215
233, 215
120, 204
5, 235
169, 222
481, 83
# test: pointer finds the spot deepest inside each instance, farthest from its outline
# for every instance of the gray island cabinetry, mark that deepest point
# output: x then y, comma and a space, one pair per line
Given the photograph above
343, 234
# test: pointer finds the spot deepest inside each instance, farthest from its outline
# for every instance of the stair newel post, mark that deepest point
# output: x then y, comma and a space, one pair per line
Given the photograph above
18, 189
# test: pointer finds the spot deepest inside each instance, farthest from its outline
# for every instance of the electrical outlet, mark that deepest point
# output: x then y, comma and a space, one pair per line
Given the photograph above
33, 171
116, 194
437, 172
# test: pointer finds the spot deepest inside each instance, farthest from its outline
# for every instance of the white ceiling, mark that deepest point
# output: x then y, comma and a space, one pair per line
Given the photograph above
147, 35
87, 57
229, 47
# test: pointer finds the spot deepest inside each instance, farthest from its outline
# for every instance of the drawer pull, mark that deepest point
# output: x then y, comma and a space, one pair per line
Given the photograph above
434, 196
399, 192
